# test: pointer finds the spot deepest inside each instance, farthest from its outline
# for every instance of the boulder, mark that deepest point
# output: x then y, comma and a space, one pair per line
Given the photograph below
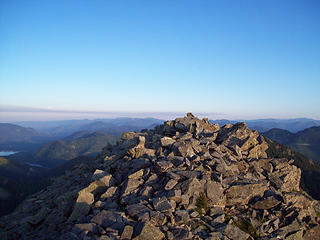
85, 227
234, 233
183, 149
215, 194
170, 184
135, 209
266, 204
167, 141
109, 219
162, 204
127, 233
241, 194
136, 175
145, 231
82, 205
131, 186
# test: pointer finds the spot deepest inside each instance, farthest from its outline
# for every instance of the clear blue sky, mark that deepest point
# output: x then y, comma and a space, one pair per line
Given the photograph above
235, 59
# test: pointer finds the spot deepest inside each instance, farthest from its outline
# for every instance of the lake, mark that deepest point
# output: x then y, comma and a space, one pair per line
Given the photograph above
6, 153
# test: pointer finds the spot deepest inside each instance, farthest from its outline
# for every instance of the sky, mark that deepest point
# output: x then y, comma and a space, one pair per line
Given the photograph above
225, 59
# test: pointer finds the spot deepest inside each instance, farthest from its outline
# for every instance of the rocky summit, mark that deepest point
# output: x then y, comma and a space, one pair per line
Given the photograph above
185, 179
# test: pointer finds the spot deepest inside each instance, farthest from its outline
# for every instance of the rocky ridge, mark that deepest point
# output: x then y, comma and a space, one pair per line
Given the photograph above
185, 179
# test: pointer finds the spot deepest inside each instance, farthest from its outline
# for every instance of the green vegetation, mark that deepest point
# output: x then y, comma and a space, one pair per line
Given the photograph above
227, 218
202, 205
3, 161
246, 226
197, 224
318, 213
58, 152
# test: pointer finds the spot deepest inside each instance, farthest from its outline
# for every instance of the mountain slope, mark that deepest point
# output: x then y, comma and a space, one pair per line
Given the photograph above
279, 135
306, 142
18, 180
14, 137
52, 154
14, 133
310, 176
185, 179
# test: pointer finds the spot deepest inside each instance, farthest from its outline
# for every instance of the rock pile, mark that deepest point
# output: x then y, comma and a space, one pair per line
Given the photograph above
185, 179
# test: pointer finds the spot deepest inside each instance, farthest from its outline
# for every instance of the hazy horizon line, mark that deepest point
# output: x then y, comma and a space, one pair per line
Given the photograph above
22, 113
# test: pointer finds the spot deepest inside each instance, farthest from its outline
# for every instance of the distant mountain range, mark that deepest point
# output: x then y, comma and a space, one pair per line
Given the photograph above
17, 138
263, 125
14, 133
28, 133
306, 142
55, 153
114, 126
28, 136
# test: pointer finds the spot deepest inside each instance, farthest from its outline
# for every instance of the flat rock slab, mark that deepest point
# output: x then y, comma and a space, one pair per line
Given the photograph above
235, 233
266, 204
146, 231
82, 227
109, 219
127, 233
241, 194
215, 194
82, 206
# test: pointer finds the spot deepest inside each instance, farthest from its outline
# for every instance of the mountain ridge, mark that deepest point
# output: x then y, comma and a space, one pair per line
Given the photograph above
185, 179
15, 137
44, 132
55, 153
263, 125
306, 141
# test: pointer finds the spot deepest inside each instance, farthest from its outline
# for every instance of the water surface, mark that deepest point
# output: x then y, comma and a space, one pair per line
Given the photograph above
6, 153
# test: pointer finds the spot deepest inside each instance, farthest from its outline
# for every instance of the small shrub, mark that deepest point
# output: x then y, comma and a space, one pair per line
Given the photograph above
246, 226
202, 204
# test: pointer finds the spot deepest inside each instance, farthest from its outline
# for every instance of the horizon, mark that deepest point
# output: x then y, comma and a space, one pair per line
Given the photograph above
42, 115
224, 60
